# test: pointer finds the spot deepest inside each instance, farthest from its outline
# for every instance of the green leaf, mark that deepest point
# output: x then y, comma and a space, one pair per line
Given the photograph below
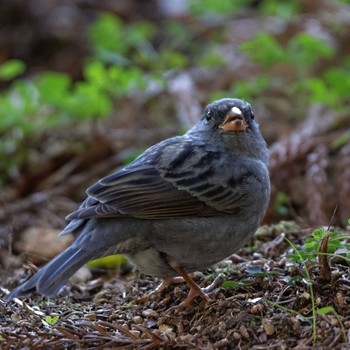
108, 33
281, 203
233, 284
305, 50
212, 59
319, 233
294, 279
281, 9
218, 8
87, 101
139, 33
269, 53
325, 310
249, 90
170, 60
53, 87
11, 69
257, 271
51, 320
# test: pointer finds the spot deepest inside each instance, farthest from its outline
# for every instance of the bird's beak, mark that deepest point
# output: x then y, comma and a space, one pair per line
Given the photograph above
234, 121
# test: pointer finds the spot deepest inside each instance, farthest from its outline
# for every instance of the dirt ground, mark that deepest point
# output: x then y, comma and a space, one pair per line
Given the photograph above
259, 303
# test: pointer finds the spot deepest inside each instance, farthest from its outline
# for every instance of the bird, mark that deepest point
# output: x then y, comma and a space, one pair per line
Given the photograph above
183, 205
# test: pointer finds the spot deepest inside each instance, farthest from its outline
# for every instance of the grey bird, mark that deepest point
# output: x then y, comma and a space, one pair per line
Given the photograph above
183, 205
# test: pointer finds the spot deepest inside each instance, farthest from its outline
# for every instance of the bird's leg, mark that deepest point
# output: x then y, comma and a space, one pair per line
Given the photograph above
165, 283
195, 290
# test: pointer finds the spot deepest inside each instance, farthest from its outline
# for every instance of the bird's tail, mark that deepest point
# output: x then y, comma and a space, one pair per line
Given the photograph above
49, 280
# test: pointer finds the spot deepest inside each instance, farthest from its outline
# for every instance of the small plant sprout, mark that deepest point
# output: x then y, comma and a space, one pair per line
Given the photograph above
51, 320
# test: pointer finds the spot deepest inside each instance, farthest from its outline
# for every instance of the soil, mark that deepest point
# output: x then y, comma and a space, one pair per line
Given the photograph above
262, 300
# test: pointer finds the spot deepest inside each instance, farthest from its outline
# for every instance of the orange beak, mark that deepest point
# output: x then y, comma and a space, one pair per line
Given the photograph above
234, 121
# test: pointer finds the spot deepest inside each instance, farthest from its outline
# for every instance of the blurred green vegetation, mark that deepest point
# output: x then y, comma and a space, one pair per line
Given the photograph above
128, 57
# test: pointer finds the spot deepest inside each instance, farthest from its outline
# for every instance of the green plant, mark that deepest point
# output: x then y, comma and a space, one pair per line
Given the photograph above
221, 8
30, 107
246, 89
11, 69
281, 9
301, 53
311, 289
305, 50
321, 239
51, 320
270, 51
296, 62
310, 251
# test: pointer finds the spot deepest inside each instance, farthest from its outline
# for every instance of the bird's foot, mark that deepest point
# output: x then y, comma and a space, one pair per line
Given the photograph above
163, 285
196, 291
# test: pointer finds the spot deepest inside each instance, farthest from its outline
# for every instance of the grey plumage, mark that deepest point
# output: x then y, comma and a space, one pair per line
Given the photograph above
194, 199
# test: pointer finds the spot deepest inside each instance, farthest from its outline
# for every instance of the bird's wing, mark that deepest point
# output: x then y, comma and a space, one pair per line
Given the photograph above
171, 181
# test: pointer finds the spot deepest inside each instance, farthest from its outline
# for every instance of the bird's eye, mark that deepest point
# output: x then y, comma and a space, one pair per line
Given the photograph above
208, 116
252, 114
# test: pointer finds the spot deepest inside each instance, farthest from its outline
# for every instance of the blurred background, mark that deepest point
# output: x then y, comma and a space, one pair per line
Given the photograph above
86, 86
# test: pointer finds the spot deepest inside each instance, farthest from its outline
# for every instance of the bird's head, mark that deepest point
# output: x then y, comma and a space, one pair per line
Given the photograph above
229, 115
232, 121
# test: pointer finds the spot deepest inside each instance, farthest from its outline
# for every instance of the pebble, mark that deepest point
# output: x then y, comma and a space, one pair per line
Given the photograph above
138, 319
91, 317
334, 322
269, 328
237, 336
257, 309
135, 332
244, 332
150, 313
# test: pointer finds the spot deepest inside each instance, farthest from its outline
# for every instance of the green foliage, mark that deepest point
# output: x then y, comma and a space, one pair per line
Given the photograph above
301, 53
29, 107
130, 46
310, 285
304, 50
11, 69
246, 89
281, 204
52, 320
233, 284
332, 88
281, 9
216, 8
300, 57
124, 59
212, 59
312, 244
257, 271
114, 42
264, 50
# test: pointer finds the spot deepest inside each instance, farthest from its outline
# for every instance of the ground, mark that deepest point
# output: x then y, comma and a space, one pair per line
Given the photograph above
258, 304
